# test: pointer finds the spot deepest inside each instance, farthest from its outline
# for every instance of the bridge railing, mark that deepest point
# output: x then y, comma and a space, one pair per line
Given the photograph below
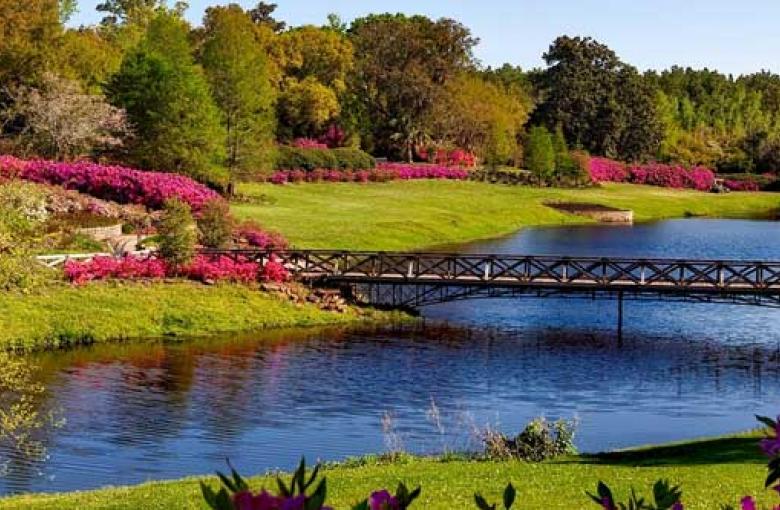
527, 270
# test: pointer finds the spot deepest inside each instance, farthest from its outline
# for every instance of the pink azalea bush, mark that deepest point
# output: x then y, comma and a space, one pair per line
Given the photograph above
115, 183
250, 234
743, 185
203, 268
447, 157
383, 173
309, 143
652, 174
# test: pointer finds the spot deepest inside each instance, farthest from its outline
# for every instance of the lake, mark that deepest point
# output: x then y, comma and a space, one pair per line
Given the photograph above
136, 412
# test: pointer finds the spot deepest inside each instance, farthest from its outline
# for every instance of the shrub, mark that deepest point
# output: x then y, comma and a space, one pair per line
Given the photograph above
254, 236
540, 153
215, 225
177, 233
607, 170
383, 173
308, 143
302, 493
308, 159
202, 268
353, 159
653, 174
115, 183
539, 441
27, 199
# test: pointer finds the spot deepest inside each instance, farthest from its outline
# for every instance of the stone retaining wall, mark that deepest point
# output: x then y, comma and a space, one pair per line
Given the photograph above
102, 233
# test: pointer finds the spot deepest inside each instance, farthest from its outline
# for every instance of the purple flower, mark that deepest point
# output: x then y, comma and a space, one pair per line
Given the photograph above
771, 445
748, 503
607, 503
382, 500
294, 503
678, 506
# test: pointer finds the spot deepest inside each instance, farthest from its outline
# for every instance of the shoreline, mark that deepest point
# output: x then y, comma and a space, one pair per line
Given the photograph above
711, 471
63, 316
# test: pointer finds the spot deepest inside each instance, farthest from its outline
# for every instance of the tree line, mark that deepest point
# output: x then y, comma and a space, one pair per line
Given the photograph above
146, 88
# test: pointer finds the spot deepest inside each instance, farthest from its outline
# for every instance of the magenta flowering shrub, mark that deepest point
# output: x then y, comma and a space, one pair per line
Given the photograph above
743, 185
447, 157
383, 173
652, 174
309, 143
235, 494
607, 170
103, 268
334, 136
256, 237
116, 183
203, 268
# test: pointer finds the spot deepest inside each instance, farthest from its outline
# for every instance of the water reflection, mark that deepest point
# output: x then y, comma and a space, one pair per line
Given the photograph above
137, 412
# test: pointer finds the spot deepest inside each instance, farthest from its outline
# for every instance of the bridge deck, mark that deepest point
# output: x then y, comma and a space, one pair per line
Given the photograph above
541, 272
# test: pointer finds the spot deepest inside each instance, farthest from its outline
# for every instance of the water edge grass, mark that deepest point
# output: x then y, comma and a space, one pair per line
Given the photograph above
711, 471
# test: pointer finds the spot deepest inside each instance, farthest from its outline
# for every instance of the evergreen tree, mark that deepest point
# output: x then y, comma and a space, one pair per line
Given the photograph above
167, 99
236, 67
540, 154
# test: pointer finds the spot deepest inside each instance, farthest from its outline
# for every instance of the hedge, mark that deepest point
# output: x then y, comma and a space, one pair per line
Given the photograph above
298, 158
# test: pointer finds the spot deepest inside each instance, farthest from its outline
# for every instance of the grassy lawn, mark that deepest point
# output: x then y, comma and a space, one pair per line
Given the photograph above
711, 472
61, 316
405, 215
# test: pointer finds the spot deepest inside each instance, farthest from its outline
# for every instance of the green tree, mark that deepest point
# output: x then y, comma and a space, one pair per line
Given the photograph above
128, 11
237, 70
85, 55
262, 14
540, 154
306, 108
564, 163
480, 115
215, 225
168, 103
29, 35
177, 233
602, 104
315, 63
401, 65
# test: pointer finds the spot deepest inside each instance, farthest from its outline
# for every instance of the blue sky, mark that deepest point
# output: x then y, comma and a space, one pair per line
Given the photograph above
733, 36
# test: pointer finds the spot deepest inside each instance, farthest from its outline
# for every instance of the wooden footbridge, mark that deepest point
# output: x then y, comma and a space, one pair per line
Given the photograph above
419, 279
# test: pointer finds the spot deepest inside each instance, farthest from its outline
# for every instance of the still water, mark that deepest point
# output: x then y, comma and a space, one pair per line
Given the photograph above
164, 410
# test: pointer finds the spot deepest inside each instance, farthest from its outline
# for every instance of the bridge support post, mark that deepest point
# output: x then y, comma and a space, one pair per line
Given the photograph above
620, 319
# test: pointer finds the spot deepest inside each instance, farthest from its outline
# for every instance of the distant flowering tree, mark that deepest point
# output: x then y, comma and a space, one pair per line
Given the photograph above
63, 122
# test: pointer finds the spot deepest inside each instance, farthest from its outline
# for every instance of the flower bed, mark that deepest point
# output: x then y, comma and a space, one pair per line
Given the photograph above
383, 173
203, 268
116, 183
652, 174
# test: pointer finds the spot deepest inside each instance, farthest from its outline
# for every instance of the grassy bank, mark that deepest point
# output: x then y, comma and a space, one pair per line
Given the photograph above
61, 316
711, 473
415, 214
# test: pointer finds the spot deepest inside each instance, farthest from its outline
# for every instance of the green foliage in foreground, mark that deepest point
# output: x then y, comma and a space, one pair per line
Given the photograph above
711, 472
418, 214
63, 316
